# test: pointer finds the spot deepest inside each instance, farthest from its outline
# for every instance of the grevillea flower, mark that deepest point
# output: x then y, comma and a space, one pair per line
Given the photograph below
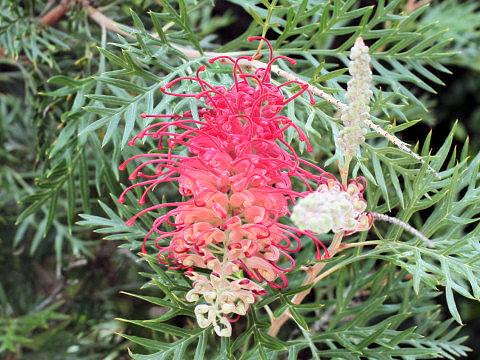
236, 181
358, 97
334, 208
224, 296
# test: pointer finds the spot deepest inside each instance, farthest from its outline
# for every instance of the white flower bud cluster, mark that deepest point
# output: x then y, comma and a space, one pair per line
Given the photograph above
358, 97
223, 298
331, 208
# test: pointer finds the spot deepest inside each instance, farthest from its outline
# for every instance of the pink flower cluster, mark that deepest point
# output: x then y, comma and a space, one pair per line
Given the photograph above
237, 181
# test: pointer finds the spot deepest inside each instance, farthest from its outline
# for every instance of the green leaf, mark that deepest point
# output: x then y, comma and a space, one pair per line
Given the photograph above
84, 183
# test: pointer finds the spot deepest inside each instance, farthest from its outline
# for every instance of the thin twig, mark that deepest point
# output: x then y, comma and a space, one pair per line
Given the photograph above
270, 313
404, 226
51, 298
265, 29
102, 20
48, 7
400, 144
344, 246
57, 13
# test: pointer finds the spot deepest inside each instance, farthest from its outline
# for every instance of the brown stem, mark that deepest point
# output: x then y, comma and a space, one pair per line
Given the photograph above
312, 273
314, 270
257, 53
106, 22
413, 5
56, 14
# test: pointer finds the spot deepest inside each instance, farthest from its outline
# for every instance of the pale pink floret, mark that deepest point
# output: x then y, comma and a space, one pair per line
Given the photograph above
223, 297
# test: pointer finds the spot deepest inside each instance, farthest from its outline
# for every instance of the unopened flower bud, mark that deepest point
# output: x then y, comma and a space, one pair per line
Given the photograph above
200, 311
358, 96
241, 308
192, 296
330, 208
210, 296
226, 331
228, 308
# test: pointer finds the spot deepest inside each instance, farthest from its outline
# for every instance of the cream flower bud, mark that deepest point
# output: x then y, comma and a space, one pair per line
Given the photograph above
226, 331
249, 299
202, 321
227, 296
227, 308
358, 97
192, 296
187, 262
200, 311
241, 308
210, 296
222, 297
330, 208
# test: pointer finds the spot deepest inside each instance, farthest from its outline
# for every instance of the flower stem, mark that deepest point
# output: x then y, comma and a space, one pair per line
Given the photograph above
312, 273
405, 226
265, 29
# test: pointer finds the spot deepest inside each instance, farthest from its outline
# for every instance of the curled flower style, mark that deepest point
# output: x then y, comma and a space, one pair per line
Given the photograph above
358, 97
334, 208
236, 181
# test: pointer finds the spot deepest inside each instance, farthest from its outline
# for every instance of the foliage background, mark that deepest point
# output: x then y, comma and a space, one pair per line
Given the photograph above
60, 289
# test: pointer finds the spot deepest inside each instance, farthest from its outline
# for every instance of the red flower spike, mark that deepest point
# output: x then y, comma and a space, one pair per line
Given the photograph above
237, 181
